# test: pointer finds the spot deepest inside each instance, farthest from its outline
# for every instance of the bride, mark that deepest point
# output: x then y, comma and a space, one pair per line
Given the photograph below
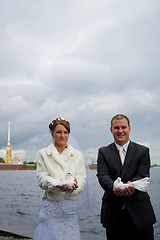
59, 215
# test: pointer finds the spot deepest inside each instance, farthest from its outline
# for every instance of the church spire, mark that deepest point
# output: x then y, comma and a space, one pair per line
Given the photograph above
8, 158
8, 144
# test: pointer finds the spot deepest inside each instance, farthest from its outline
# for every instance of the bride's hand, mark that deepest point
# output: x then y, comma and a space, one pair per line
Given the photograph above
63, 187
75, 184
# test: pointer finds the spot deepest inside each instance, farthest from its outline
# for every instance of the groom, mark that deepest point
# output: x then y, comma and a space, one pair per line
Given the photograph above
126, 213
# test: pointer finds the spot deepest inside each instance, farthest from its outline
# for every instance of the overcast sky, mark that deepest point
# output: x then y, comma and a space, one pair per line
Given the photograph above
83, 60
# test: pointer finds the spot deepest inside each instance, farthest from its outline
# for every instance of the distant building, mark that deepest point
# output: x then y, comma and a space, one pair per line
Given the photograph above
16, 159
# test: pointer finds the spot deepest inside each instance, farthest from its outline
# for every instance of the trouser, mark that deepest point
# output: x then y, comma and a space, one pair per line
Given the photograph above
126, 230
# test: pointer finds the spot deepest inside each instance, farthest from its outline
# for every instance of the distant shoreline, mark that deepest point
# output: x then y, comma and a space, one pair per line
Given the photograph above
17, 167
25, 167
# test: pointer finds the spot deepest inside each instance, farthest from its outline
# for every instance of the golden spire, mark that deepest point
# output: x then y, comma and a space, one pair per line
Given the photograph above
8, 158
8, 144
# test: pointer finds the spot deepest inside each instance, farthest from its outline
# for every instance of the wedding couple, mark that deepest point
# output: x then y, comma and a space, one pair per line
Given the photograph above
126, 213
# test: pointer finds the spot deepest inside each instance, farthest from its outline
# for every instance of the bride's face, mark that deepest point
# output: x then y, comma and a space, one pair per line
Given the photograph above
60, 136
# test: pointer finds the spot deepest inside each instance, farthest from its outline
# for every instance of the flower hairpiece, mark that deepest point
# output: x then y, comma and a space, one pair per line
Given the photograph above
59, 118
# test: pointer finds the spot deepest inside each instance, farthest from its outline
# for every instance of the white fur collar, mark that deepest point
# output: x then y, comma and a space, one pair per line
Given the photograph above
64, 156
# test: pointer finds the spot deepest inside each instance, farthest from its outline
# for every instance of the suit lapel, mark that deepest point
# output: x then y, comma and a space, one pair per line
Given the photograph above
115, 155
128, 158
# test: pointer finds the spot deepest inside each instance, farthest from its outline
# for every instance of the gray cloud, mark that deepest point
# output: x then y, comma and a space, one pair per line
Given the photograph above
84, 61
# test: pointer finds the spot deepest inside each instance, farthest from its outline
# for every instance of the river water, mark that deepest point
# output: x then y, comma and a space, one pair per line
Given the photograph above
20, 203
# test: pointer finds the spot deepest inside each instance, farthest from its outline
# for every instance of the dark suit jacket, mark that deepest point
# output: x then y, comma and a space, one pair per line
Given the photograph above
136, 166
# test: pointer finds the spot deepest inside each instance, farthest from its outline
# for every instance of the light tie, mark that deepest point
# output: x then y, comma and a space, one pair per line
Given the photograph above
121, 154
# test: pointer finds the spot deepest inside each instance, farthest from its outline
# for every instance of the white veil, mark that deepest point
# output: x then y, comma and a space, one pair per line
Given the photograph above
86, 199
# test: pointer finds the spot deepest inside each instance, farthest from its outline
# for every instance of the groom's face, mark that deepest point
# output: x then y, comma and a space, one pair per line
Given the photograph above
120, 131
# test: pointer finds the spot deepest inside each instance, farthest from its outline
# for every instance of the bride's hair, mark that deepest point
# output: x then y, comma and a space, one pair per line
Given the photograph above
58, 121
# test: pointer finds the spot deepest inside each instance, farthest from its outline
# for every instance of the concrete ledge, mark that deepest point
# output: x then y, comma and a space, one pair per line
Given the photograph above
13, 235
